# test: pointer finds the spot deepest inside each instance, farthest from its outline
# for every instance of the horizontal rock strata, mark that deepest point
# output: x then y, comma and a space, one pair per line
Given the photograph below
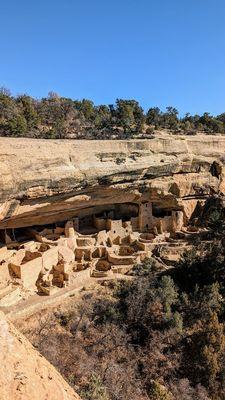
45, 181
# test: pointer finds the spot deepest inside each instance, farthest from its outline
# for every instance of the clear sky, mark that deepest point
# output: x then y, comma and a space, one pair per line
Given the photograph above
159, 52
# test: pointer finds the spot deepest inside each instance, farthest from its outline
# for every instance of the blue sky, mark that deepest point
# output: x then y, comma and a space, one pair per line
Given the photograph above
159, 52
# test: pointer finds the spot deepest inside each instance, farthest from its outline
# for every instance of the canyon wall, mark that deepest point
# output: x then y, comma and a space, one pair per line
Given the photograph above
45, 181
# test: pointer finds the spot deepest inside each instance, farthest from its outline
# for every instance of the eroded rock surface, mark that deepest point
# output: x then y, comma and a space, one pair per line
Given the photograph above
45, 181
24, 373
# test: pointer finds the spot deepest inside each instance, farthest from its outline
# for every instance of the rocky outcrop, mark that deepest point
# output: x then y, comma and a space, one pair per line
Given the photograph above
43, 181
24, 373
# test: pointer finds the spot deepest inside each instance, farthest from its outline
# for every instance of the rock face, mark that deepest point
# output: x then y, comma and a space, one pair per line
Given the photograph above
84, 183
24, 373
43, 181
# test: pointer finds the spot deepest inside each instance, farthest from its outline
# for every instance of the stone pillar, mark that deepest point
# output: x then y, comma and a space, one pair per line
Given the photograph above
160, 226
69, 229
177, 220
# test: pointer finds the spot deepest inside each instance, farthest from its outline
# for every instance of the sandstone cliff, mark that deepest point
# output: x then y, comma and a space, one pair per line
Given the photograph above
45, 181
24, 373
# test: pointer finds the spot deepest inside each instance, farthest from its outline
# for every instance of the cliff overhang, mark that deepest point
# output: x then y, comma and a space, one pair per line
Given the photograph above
46, 181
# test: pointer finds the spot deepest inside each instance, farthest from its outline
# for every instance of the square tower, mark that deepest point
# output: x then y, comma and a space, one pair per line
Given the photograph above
145, 216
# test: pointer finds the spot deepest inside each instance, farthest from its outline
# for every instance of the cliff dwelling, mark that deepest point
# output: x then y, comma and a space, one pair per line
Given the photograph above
100, 241
84, 216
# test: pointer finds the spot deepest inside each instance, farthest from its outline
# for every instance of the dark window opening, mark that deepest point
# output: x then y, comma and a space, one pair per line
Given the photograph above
160, 213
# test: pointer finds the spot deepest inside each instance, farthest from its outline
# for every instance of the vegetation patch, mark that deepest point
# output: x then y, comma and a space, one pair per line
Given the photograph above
55, 117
